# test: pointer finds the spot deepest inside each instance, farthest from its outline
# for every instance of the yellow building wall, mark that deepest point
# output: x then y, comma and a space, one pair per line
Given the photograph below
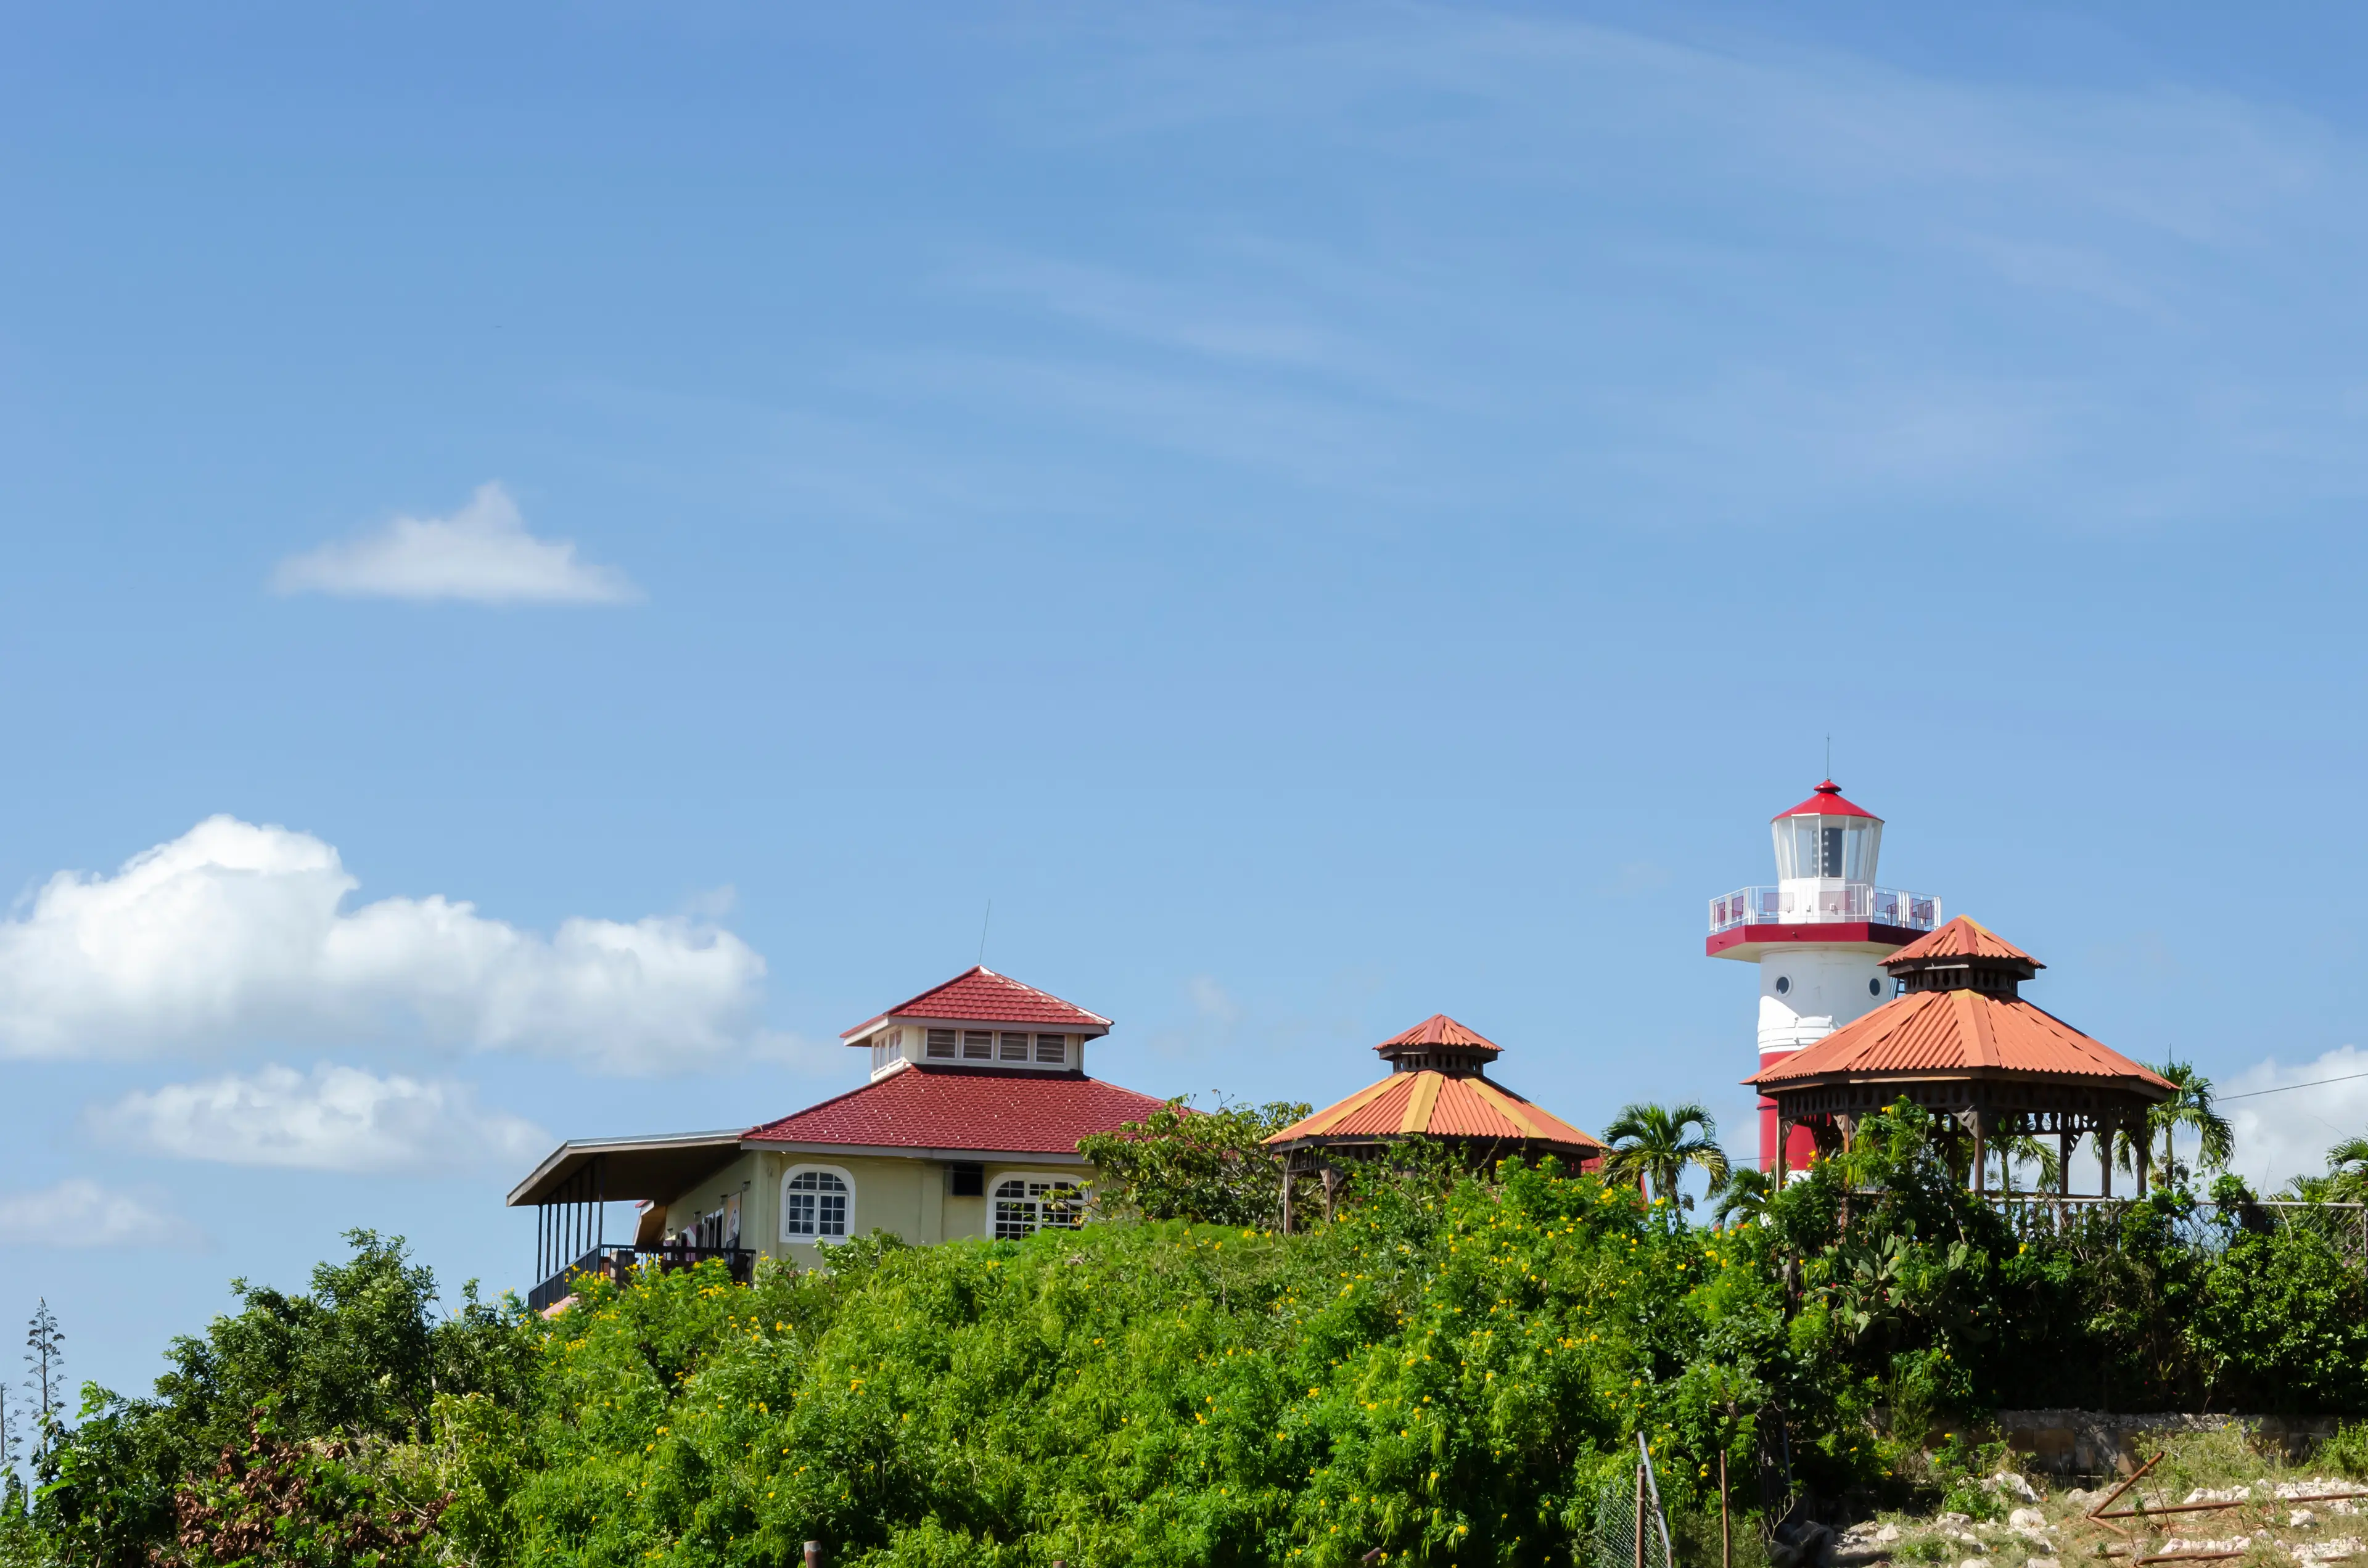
905, 1198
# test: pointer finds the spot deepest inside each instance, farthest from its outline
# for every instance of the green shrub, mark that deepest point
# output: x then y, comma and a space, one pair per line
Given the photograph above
1448, 1374
2347, 1451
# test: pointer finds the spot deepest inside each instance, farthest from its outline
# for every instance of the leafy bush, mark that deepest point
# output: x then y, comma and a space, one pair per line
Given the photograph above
1179, 1163
358, 1361
1448, 1372
1445, 1376
2347, 1450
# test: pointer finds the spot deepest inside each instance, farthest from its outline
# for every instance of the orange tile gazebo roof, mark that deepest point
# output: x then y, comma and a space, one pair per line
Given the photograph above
1460, 1105
1962, 938
1440, 1030
1931, 1033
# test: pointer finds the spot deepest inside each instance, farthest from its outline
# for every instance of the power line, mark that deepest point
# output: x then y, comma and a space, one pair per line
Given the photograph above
2282, 1088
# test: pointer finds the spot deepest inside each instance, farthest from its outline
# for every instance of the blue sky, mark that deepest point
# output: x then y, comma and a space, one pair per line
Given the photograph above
1322, 516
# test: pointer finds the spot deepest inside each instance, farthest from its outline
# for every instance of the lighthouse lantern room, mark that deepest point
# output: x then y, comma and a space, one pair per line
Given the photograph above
1819, 936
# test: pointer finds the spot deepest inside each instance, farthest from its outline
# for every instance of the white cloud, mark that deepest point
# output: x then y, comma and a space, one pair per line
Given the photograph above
234, 932
338, 1118
80, 1213
1217, 1017
481, 553
2288, 1134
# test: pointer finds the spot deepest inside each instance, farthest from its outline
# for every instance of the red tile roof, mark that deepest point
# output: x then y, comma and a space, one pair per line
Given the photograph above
981, 996
965, 1107
1826, 802
1443, 1106
1440, 1030
1928, 1032
1960, 939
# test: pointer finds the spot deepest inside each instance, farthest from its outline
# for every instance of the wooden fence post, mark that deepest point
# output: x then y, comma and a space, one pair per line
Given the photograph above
1640, 1517
1725, 1544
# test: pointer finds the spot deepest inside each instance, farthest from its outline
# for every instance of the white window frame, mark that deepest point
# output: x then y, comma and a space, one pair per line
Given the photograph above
994, 1186
817, 1239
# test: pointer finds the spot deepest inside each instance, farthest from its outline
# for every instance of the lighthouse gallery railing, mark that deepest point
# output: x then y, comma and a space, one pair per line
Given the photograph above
1851, 902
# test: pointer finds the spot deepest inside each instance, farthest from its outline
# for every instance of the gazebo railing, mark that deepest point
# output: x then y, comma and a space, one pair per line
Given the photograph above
2199, 1222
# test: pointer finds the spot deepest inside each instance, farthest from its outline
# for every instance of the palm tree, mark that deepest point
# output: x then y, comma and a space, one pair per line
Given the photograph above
2191, 1108
1744, 1198
1651, 1145
2347, 1172
2019, 1148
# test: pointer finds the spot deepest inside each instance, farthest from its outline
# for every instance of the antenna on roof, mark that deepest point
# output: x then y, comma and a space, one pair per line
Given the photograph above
1829, 757
982, 933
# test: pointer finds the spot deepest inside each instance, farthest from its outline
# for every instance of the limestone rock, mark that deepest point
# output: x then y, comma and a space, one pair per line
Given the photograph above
2013, 1485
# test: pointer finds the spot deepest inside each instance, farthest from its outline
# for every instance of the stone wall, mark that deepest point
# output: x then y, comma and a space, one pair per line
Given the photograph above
2090, 1442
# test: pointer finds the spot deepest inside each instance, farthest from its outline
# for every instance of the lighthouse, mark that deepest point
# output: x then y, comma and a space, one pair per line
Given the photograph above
1819, 936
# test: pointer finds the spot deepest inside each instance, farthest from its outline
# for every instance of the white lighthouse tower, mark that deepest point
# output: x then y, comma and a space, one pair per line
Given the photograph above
1819, 936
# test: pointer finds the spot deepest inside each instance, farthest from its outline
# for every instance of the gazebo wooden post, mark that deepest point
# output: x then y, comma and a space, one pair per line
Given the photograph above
2145, 1149
1286, 1195
2105, 1156
1783, 1136
1981, 1153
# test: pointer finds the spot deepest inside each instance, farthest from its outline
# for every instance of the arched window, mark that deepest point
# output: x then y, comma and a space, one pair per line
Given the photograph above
1026, 1204
817, 1203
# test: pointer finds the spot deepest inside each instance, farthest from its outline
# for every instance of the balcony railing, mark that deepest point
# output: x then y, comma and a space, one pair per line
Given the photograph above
1852, 901
617, 1262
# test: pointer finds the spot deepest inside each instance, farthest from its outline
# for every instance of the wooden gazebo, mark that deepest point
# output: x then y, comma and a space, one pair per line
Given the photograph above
1960, 1041
1438, 1088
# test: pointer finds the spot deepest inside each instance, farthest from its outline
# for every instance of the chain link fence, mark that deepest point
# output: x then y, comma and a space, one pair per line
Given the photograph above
2205, 1224
1631, 1531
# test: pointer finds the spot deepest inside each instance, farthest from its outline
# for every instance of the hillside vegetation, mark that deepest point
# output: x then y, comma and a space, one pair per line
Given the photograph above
1445, 1375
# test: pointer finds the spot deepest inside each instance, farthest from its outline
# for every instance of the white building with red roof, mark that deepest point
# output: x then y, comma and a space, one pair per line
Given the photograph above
1820, 936
967, 1126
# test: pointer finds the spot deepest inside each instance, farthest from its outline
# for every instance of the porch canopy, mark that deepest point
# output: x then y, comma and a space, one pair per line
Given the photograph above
627, 1170
1961, 1042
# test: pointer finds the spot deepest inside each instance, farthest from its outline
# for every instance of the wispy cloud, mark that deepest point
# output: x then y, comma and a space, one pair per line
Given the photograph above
1752, 278
334, 1118
1214, 1017
1445, 267
1159, 311
481, 554
2279, 1136
233, 932
78, 1213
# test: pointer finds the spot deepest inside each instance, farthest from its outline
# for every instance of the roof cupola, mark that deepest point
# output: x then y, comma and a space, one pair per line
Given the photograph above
1964, 955
1440, 1044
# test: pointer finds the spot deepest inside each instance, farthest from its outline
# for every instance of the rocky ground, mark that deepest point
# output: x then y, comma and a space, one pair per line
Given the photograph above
2281, 1520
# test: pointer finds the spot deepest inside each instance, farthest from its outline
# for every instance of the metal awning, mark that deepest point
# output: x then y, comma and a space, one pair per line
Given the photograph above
659, 1169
